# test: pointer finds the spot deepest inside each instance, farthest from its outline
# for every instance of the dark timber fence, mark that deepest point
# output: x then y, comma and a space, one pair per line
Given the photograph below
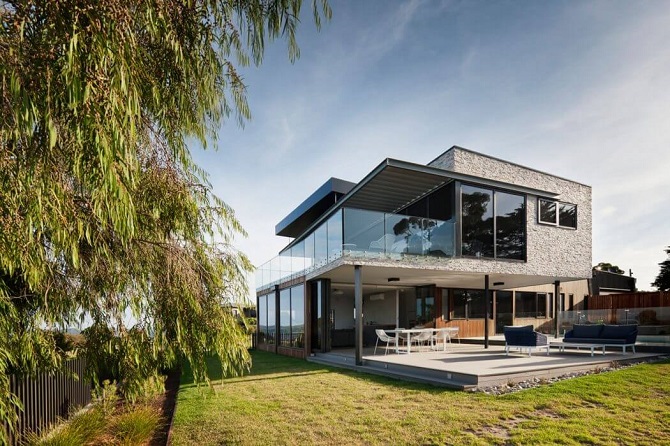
46, 398
629, 300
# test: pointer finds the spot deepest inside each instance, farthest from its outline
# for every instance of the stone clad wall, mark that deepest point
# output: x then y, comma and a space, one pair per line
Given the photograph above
551, 250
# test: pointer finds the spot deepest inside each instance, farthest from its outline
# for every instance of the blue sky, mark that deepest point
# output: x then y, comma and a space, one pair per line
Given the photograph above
578, 89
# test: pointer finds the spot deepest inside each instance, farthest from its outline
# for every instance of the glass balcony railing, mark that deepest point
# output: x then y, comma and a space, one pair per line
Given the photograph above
359, 233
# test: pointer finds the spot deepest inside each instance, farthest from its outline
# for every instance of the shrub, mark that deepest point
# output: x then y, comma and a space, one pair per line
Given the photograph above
136, 426
81, 429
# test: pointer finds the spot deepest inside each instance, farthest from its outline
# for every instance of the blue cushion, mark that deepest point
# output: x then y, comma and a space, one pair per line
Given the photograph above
586, 331
617, 331
583, 340
512, 328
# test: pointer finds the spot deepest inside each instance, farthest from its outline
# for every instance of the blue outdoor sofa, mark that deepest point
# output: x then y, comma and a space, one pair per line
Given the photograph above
603, 335
524, 338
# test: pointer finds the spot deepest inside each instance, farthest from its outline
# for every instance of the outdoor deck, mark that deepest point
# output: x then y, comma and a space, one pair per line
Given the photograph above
467, 366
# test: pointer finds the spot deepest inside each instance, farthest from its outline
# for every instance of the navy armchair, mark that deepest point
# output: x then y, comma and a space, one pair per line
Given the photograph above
524, 338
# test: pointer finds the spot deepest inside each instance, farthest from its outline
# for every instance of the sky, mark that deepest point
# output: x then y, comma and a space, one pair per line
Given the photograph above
577, 89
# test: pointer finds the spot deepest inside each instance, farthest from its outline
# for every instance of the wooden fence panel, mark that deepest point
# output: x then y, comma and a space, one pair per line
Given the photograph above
629, 300
47, 398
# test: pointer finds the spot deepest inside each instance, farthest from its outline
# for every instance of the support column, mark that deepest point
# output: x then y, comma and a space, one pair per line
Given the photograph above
487, 292
358, 309
557, 307
397, 308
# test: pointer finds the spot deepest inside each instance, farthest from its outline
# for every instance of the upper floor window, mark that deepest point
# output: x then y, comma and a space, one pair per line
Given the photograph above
493, 223
557, 213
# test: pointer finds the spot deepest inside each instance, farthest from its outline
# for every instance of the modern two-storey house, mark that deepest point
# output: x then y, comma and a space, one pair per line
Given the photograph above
468, 240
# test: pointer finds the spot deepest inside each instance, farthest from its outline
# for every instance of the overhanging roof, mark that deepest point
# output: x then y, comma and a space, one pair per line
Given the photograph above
394, 184
313, 207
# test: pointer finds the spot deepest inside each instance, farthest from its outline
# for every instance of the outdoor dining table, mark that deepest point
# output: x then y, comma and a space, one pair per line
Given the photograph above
446, 333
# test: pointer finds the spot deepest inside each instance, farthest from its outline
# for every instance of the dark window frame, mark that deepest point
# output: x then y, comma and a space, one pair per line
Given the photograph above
557, 220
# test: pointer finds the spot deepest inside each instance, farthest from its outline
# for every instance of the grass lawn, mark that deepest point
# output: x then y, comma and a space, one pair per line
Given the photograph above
291, 401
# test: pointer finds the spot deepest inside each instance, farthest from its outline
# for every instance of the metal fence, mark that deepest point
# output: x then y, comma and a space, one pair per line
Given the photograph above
47, 398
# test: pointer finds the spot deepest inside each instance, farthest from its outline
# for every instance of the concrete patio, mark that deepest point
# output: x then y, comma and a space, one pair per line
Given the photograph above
467, 366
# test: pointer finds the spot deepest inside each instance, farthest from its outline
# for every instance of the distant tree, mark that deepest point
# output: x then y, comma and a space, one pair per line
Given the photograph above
103, 213
603, 266
662, 281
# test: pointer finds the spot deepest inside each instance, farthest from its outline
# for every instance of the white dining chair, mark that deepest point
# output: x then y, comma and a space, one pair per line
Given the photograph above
384, 337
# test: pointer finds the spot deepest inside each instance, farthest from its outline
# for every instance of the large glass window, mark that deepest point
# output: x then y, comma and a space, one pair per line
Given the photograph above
529, 304
285, 317
262, 317
441, 203
298, 316
292, 316
477, 221
425, 305
469, 304
272, 320
510, 226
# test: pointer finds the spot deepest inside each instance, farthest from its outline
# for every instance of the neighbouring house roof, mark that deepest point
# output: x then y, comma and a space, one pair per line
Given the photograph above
611, 282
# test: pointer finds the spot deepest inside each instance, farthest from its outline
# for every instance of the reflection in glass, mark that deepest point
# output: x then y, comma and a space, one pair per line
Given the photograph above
567, 215
285, 317
262, 316
468, 304
525, 304
477, 221
272, 318
425, 305
441, 238
504, 312
408, 234
298, 316
547, 211
363, 230
510, 226
396, 235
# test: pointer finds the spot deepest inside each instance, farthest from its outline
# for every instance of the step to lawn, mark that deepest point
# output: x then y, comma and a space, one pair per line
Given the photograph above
393, 371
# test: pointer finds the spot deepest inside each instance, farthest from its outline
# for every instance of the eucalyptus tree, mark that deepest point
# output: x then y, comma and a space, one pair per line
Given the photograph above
102, 209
